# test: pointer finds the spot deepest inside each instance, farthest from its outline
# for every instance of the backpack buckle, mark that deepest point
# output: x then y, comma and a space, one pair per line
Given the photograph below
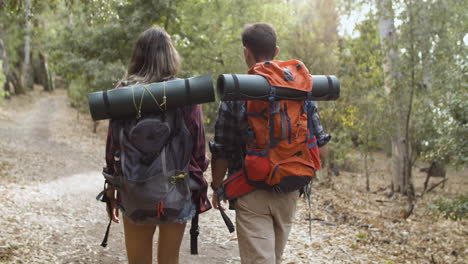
288, 76
177, 177
272, 96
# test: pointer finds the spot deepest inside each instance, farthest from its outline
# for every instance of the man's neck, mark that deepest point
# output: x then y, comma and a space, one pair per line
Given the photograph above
259, 61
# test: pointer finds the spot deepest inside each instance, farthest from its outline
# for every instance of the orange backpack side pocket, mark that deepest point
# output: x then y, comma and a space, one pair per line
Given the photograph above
237, 185
257, 167
314, 153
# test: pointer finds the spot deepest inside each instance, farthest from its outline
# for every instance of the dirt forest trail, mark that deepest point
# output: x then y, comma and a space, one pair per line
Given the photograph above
50, 164
49, 179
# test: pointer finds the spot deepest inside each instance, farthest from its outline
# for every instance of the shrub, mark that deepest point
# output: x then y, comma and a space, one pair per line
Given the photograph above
450, 208
77, 92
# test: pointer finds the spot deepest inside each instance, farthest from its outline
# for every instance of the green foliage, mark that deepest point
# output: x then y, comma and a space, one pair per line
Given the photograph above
312, 35
433, 54
13, 38
88, 43
2, 82
361, 236
76, 92
450, 208
208, 36
359, 118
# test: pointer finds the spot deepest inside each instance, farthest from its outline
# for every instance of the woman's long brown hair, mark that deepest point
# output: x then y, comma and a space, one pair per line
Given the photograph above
154, 58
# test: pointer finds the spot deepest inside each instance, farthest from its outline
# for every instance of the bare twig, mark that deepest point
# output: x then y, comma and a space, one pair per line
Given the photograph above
435, 186
332, 211
323, 222
346, 253
383, 201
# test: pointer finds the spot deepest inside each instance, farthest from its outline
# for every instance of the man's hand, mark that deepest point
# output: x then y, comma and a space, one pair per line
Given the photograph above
219, 168
214, 201
323, 150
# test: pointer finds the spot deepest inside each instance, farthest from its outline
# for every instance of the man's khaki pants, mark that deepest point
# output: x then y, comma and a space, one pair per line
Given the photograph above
263, 221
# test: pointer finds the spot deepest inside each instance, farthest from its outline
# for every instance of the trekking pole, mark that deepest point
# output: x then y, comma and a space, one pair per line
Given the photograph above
309, 194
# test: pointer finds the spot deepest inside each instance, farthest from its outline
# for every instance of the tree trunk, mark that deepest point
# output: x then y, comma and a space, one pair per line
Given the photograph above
5, 67
366, 166
17, 81
45, 75
400, 142
409, 188
27, 45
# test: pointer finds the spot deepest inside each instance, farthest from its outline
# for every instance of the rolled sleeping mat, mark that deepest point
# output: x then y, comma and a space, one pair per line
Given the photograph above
232, 87
124, 102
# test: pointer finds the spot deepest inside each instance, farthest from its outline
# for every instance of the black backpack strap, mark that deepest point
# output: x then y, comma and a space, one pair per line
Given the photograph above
106, 236
194, 232
103, 198
226, 219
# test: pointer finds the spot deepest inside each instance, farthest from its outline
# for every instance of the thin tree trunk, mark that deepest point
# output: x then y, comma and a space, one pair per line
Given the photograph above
5, 67
409, 190
45, 75
388, 40
366, 167
27, 45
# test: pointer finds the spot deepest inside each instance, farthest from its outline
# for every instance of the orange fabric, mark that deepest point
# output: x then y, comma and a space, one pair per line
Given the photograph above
274, 72
257, 167
291, 156
292, 153
315, 154
293, 160
237, 185
160, 210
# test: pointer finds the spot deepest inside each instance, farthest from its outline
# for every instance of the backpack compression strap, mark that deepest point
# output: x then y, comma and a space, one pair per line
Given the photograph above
103, 198
106, 236
226, 219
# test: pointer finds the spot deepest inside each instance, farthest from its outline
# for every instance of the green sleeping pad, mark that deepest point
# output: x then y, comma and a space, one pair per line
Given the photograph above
232, 87
128, 101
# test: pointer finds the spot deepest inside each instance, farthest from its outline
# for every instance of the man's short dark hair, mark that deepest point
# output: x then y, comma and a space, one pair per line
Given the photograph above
260, 39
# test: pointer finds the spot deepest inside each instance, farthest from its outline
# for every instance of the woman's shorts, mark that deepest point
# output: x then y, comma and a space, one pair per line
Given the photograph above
187, 213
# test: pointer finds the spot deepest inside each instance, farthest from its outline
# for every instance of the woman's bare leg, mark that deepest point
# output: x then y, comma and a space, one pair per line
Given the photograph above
170, 238
139, 242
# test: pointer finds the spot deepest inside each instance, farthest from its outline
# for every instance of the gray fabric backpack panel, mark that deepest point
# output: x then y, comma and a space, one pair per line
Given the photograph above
155, 154
149, 135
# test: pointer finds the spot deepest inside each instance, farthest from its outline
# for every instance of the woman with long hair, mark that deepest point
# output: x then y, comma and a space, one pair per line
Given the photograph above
155, 59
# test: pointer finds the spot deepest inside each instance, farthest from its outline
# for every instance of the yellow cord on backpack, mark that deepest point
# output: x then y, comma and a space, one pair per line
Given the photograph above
164, 96
156, 101
137, 109
175, 177
145, 89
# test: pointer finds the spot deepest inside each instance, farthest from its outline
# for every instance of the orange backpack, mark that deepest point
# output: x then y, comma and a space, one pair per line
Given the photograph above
283, 156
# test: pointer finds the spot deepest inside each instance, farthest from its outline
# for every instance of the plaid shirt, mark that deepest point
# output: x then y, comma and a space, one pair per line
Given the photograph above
193, 117
231, 134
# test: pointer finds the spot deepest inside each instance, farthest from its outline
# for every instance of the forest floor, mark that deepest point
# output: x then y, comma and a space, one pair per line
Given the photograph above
50, 163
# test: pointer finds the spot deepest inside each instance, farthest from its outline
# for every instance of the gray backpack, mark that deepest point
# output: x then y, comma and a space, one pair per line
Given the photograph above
152, 175
151, 169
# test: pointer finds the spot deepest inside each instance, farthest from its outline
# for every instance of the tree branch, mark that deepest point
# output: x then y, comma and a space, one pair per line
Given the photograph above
435, 186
